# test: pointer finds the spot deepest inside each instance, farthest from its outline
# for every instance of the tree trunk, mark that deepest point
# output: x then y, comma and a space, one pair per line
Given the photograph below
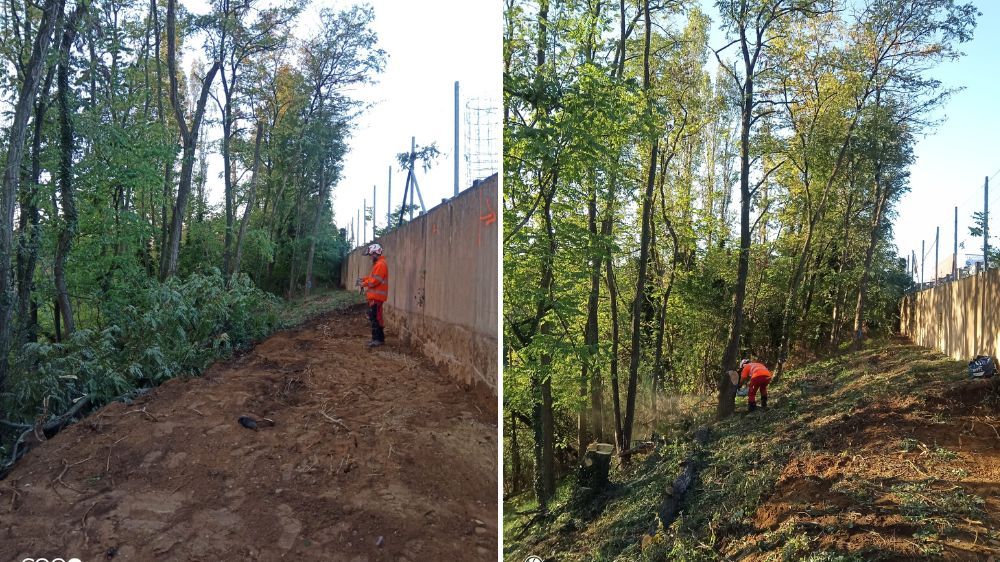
229, 184
30, 233
838, 302
591, 336
251, 200
615, 338
727, 390
859, 309
189, 139
515, 457
594, 468
640, 286
12, 174
320, 206
66, 148
293, 266
881, 198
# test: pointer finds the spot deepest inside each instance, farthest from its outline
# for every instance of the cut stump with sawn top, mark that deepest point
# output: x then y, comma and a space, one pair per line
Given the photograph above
596, 465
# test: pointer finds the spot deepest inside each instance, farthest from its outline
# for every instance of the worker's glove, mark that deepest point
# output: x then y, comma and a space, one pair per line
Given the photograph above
357, 282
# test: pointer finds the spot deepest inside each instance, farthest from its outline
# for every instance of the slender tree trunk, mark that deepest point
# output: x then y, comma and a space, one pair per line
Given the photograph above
66, 148
548, 471
876, 230
227, 131
320, 206
881, 198
293, 266
606, 233
544, 423
727, 390
251, 199
57, 321
838, 302
640, 289
52, 12
189, 138
515, 457
29, 229
591, 337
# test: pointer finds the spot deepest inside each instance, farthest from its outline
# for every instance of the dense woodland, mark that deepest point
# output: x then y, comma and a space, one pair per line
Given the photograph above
681, 192
116, 272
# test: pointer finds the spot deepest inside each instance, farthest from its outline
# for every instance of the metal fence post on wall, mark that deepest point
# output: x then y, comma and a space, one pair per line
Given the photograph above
986, 223
937, 238
954, 262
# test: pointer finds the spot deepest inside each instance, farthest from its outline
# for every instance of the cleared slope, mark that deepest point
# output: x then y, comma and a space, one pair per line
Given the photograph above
885, 454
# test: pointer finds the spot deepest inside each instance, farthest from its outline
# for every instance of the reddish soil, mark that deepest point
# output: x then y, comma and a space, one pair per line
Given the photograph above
409, 472
877, 478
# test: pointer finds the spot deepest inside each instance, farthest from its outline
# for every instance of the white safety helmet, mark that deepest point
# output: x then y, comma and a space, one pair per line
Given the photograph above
373, 250
743, 363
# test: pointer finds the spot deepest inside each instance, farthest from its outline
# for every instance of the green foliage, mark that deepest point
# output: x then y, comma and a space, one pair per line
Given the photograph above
154, 333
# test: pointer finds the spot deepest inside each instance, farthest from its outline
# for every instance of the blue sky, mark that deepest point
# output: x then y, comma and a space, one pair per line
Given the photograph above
953, 160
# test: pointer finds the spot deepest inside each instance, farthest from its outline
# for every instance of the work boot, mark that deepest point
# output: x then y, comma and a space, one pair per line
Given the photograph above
763, 402
375, 343
751, 407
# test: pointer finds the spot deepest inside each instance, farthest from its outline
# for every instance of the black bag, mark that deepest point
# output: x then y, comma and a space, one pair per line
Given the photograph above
982, 367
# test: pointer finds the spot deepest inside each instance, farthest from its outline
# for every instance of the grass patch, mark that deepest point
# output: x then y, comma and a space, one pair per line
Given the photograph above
303, 309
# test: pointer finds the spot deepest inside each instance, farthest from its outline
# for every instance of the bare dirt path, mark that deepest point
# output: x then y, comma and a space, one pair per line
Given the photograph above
373, 455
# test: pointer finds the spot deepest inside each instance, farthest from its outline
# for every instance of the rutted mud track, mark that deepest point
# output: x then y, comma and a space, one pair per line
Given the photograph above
373, 455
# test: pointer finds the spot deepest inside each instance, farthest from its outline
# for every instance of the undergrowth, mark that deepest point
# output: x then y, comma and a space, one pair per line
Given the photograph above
152, 334
814, 406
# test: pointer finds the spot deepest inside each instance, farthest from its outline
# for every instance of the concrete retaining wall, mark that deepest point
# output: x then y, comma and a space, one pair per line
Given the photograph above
443, 283
960, 319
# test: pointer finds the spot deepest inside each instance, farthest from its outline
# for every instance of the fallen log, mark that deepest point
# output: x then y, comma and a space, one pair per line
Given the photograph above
670, 507
641, 448
30, 438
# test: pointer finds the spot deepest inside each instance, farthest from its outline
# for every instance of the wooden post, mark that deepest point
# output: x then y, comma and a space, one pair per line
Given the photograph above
922, 254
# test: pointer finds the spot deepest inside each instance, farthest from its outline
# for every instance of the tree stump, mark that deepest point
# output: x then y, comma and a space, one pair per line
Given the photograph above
596, 465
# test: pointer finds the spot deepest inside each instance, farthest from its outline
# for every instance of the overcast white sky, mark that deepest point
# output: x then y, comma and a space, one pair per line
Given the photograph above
429, 45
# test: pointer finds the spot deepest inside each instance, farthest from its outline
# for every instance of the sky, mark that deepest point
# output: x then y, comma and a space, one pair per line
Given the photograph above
953, 160
429, 44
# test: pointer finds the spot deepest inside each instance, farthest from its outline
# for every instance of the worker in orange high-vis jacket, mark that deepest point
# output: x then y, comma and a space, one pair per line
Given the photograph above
377, 290
759, 376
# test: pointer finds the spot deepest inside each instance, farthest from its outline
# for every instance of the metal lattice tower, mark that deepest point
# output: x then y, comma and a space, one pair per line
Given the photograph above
482, 139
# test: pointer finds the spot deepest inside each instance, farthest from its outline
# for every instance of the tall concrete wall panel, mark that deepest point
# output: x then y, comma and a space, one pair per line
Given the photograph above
443, 283
960, 319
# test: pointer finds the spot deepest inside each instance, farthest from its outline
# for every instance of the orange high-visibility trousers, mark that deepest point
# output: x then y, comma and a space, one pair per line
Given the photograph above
758, 383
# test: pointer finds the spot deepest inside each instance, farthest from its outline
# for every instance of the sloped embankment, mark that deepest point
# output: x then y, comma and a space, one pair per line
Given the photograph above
885, 454
372, 455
